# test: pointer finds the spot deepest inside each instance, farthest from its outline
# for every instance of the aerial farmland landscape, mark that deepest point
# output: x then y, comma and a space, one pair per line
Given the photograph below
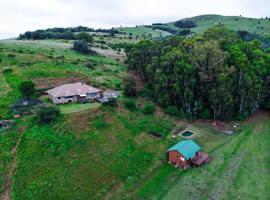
105, 100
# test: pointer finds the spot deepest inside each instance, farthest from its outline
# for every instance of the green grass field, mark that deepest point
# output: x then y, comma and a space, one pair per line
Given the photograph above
257, 26
73, 108
239, 170
144, 31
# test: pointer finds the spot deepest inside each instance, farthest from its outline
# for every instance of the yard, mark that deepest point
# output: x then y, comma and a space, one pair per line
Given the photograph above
239, 170
76, 107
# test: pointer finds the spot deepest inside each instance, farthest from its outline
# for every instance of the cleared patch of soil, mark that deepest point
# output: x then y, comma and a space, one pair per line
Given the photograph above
110, 53
48, 83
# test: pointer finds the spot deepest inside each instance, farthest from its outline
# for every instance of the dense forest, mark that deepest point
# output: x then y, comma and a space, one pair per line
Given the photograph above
215, 75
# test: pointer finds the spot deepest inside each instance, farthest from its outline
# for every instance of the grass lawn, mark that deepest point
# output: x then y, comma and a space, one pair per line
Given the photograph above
88, 155
76, 107
239, 170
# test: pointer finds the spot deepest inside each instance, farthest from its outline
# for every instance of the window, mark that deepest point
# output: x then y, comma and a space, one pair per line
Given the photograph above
182, 159
91, 94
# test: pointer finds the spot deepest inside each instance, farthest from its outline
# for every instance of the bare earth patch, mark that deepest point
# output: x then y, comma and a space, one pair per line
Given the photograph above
48, 83
110, 53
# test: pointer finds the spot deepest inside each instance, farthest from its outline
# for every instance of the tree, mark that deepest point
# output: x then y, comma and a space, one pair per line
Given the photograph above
216, 74
47, 115
27, 88
185, 24
148, 109
130, 104
81, 46
84, 36
129, 88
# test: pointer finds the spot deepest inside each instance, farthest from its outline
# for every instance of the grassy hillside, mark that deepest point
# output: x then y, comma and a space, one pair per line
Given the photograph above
95, 151
256, 26
239, 170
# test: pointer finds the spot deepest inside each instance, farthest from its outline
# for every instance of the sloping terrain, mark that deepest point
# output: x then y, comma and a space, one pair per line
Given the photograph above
239, 170
252, 25
106, 152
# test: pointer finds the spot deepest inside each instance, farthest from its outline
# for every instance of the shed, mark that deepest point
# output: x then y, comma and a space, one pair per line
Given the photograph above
187, 153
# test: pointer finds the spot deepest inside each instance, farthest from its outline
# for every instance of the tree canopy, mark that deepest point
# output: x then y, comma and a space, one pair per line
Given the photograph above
27, 88
215, 75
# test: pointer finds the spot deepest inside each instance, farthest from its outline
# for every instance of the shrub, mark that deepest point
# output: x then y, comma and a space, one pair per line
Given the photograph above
8, 70
89, 65
129, 88
171, 110
27, 88
185, 24
184, 32
130, 104
148, 109
81, 46
11, 55
84, 36
206, 114
118, 85
47, 115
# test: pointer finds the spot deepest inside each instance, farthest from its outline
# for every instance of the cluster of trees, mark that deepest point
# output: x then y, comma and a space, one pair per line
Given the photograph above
163, 28
215, 75
247, 36
185, 24
61, 33
45, 114
184, 32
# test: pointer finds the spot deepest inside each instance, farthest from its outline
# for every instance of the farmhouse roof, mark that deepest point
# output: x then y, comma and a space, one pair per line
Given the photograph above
72, 90
187, 148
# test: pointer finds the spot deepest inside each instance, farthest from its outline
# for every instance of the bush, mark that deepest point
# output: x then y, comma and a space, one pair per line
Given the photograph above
130, 104
84, 36
47, 115
11, 55
172, 110
81, 46
184, 32
148, 109
185, 24
8, 70
129, 88
27, 88
206, 114
89, 65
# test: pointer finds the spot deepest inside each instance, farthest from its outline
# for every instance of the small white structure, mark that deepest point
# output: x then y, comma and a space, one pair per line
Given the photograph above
69, 93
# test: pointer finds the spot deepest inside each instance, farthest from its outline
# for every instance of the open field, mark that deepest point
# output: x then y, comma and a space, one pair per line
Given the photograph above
143, 31
239, 170
257, 26
91, 154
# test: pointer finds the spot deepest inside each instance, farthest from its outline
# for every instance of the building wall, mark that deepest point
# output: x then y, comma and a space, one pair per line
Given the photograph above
176, 158
64, 100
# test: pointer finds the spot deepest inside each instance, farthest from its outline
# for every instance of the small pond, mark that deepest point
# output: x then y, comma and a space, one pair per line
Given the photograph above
187, 134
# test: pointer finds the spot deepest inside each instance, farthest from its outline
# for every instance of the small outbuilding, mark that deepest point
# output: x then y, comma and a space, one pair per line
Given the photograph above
187, 153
